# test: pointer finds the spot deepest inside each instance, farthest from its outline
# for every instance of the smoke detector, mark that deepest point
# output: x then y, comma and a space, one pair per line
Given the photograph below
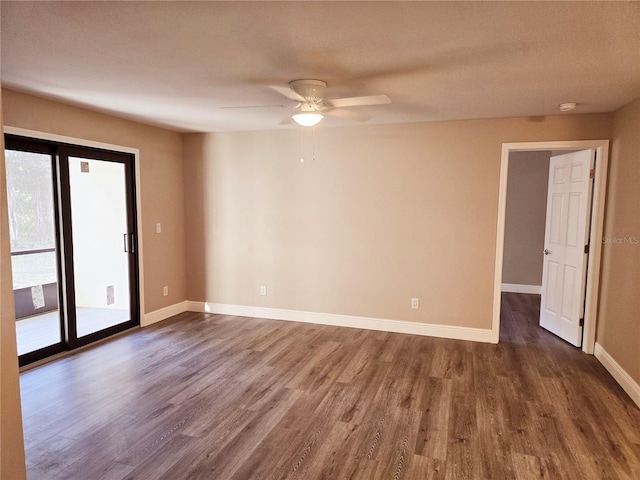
567, 107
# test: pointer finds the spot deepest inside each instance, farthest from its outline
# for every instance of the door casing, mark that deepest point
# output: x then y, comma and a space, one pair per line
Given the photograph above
597, 224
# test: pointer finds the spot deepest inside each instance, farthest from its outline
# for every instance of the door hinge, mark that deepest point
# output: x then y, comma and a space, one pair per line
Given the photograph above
592, 173
582, 322
586, 249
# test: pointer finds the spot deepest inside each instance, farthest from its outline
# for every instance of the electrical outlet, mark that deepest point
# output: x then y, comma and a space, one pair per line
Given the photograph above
263, 290
165, 291
414, 303
158, 228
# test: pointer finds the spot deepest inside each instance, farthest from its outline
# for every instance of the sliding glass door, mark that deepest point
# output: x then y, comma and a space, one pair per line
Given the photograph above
74, 245
32, 207
100, 243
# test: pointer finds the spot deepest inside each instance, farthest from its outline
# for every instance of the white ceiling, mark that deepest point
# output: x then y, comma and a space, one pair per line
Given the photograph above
175, 64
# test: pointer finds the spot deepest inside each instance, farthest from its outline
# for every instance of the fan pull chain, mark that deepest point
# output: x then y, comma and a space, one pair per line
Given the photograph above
313, 143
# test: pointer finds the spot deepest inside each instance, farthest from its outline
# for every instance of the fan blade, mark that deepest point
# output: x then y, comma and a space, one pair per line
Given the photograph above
286, 121
289, 93
360, 101
347, 114
259, 106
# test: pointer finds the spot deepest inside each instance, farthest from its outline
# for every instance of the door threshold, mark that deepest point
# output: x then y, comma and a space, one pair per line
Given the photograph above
68, 353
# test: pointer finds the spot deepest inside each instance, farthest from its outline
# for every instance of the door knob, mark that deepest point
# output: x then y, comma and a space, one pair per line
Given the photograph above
546, 252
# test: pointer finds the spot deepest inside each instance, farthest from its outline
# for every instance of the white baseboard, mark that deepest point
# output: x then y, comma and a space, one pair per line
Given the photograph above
517, 288
627, 383
163, 313
397, 326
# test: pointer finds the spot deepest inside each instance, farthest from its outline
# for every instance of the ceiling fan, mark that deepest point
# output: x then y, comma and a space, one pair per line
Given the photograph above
312, 106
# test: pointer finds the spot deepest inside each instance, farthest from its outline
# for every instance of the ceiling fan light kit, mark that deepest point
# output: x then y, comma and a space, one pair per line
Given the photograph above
307, 119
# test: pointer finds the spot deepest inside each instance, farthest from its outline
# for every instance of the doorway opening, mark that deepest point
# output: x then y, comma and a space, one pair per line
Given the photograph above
601, 148
73, 232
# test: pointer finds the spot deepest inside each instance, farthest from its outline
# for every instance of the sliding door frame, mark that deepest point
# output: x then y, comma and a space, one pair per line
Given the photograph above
30, 146
64, 152
69, 146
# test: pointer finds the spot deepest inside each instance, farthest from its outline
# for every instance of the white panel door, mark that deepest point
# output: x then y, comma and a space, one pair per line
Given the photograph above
566, 234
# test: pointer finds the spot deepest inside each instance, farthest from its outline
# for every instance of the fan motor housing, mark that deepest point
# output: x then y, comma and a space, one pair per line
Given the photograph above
311, 90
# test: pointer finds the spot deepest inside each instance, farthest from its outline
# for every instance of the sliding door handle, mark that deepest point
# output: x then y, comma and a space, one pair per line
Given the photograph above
126, 242
132, 246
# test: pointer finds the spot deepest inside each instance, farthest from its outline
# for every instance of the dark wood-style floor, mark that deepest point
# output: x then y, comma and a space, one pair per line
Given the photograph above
206, 396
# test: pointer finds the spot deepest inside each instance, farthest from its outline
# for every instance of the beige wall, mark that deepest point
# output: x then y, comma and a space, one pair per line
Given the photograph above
12, 464
525, 217
161, 182
619, 311
384, 213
